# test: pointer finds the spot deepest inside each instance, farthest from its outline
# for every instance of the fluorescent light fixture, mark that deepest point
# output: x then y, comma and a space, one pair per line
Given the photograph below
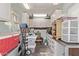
26, 5
39, 15
55, 3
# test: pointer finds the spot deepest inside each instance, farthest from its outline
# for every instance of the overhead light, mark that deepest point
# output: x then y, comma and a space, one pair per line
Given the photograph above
39, 15
26, 5
55, 3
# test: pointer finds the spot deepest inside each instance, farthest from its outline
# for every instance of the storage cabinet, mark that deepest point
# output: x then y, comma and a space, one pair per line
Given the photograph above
73, 51
56, 48
60, 48
51, 44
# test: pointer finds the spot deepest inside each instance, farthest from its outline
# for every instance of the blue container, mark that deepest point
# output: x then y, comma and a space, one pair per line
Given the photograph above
23, 25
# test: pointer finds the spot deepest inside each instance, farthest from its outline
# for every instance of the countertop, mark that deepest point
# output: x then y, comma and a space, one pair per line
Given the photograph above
63, 42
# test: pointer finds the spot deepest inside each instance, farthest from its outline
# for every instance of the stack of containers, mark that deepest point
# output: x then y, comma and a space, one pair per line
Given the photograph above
31, 42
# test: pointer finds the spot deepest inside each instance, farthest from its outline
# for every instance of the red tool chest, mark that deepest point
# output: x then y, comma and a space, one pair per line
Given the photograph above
8, 44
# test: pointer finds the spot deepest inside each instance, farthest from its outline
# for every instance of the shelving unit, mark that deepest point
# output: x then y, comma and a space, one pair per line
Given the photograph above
56, 29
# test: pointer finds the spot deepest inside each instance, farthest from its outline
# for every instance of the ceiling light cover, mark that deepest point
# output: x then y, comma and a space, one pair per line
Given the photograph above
39, 15
26, 5
55, 3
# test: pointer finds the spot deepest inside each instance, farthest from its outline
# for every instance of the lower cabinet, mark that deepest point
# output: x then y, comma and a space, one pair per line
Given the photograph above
73, 51
60, 49
57, 48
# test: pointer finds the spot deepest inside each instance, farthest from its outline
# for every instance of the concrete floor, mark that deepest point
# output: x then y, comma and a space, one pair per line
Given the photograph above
42, 50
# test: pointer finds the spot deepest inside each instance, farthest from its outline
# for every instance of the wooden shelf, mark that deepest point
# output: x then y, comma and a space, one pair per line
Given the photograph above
56, 28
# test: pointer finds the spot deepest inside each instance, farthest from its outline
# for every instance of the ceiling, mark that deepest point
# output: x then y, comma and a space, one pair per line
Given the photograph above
46, 8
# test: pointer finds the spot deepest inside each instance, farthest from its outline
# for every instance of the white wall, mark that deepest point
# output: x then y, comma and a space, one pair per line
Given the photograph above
18, 13
25, 18
74, 10
5, 11
40, 22
57, 14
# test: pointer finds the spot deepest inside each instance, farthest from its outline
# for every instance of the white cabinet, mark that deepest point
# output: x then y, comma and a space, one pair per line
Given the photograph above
57, 48
51, 44
60, 49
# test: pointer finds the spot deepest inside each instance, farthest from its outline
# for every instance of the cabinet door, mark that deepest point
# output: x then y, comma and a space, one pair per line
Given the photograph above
73, 51
60, 49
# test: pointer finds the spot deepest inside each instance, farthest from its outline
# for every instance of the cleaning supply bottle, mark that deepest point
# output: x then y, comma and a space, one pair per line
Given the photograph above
46, 41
